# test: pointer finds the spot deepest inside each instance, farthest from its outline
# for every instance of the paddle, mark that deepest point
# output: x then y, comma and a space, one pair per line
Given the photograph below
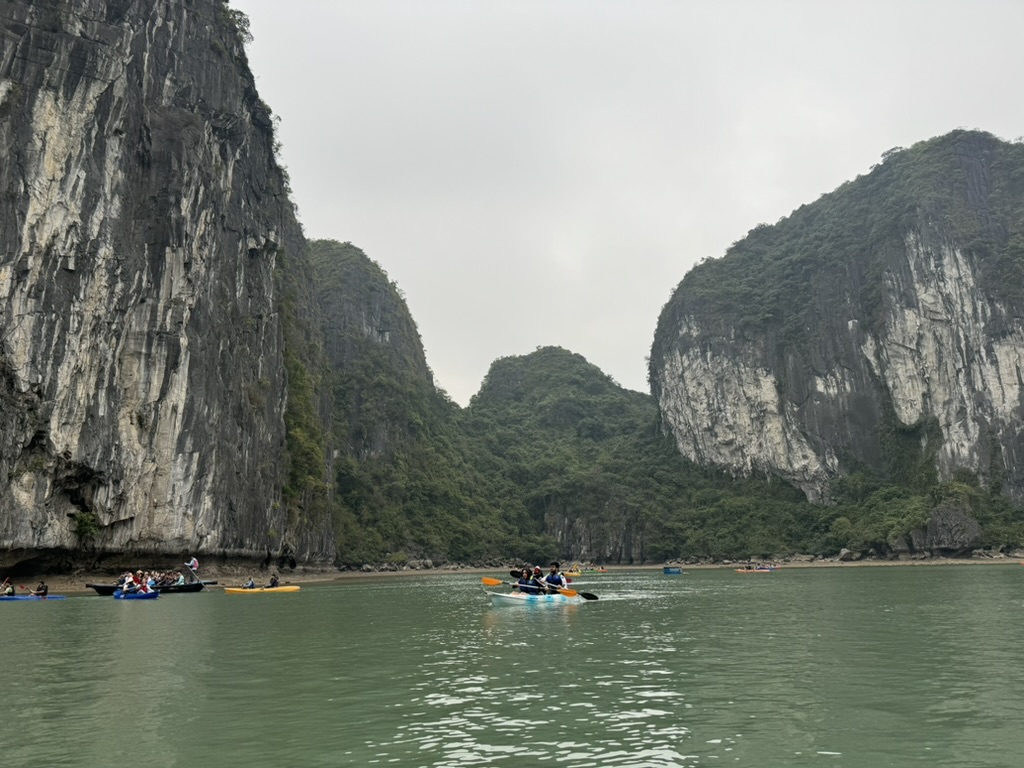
194, 575
567, 592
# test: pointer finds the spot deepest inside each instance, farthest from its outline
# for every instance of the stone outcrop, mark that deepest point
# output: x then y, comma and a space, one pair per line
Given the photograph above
142, 220
877, 328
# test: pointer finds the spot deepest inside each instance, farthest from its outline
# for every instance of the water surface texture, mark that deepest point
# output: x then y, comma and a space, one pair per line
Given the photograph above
852, 667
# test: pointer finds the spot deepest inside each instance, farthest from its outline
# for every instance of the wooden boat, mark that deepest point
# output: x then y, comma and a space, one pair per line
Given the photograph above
31, 597
518, 598
258, 590
670, 570
195, 586
119, 595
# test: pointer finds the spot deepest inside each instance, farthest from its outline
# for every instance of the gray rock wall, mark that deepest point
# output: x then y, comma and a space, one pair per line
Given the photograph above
142, 218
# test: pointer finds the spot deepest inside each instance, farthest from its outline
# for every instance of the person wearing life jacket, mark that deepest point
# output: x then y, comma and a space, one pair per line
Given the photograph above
527, 584
6, 588
554, 579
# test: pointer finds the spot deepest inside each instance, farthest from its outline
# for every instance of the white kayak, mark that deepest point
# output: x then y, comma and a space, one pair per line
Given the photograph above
519, 598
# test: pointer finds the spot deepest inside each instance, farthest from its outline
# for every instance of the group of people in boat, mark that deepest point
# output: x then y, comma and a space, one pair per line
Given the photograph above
274, 582
148, 581
765, 566
535, 581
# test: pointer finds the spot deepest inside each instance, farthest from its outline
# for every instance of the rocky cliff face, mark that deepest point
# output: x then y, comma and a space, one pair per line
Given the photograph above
878, 327
373, 348
142, 218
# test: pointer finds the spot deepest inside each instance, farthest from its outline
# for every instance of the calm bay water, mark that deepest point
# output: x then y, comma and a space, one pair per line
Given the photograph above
851, 667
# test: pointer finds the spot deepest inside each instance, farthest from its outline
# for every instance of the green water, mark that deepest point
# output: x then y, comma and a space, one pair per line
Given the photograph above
846, 667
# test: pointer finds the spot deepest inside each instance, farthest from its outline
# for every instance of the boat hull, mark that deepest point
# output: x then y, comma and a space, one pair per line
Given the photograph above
196, 586
518, 598
672, 571
258, 590
37, 598
119, 595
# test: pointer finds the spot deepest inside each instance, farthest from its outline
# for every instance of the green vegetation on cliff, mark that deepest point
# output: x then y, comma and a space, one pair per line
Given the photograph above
553, 459
807, 297
404, 485
781, 279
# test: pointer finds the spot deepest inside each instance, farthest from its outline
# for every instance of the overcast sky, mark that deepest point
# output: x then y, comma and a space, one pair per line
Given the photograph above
544, 172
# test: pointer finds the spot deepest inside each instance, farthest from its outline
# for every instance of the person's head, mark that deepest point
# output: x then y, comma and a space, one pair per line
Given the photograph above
536, 570
554, 567
525, 573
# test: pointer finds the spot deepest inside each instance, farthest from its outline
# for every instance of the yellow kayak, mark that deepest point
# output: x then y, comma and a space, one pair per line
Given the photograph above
244, 591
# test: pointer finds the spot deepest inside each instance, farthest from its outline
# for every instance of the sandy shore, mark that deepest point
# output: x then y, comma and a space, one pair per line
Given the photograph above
71, 584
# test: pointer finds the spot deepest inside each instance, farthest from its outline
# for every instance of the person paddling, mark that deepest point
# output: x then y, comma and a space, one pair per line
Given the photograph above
527, 584
555, 580
41, 589
274, 581
7, 589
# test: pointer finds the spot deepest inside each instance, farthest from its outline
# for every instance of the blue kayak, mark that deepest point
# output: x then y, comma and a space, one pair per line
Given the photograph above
31, 597
119, 595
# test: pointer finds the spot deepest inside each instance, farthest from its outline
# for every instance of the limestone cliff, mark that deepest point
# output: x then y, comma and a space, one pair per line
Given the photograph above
142, 220
879, 329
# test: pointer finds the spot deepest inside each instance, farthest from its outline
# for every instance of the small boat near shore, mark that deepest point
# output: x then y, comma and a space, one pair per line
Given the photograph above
258, 590
31, 597
672, 570
196, 586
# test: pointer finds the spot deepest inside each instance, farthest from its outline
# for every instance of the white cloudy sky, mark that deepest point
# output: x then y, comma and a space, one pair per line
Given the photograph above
544, 172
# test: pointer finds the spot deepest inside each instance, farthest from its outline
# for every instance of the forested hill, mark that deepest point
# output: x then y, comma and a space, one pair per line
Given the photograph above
871, 340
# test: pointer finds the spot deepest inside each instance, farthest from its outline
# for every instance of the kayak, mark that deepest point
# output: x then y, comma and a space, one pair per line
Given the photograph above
119, 595
518, 598
256, 590
31, 597
754, 570
670, 570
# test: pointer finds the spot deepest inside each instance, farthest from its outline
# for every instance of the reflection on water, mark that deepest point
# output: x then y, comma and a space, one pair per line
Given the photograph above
852, 667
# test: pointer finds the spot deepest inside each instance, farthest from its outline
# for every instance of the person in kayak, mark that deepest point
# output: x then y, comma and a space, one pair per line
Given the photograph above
555, 580
274, 581
128, 586
250, 584
41, 589
527, 584
7, 589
